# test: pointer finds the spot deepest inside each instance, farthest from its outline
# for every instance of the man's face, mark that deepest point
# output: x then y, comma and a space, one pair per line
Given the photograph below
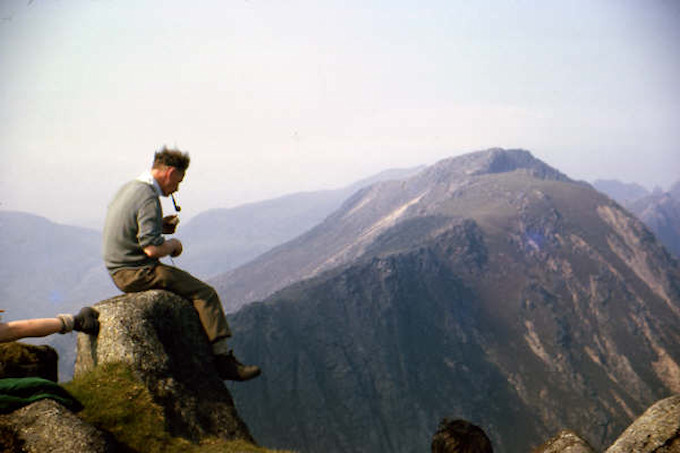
170, 181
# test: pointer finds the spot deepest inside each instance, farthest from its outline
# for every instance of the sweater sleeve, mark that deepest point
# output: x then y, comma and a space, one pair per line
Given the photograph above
149, 221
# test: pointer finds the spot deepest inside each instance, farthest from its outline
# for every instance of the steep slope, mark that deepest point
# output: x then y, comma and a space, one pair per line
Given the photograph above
219, 240
497, 291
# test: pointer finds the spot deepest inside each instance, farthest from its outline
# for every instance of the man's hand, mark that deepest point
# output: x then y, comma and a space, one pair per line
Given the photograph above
172, 247
177, 247
170, 224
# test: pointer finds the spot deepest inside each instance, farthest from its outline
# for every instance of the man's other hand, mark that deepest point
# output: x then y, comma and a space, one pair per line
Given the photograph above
170, 247
170, 224
177, 247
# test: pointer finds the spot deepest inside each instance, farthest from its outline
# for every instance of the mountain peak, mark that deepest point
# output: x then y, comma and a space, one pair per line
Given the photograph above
494, 161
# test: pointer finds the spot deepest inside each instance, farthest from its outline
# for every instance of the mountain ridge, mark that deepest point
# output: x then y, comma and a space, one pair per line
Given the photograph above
524, 286
397, 200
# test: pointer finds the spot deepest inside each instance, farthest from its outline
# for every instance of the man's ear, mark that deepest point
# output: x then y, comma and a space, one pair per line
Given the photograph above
170, 173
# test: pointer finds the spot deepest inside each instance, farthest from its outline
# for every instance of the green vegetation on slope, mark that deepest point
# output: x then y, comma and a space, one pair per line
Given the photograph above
117, 402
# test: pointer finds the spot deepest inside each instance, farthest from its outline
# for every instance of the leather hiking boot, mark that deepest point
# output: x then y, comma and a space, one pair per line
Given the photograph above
230, 369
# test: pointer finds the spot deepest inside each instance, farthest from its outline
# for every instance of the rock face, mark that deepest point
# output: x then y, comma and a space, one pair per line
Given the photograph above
565, 442
159, 335
19, 360
46, 426
657, 430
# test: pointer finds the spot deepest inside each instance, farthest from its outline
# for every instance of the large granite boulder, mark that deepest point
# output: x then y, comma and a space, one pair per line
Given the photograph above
19, 360
565, 441
657, 430
159, 336
47, 426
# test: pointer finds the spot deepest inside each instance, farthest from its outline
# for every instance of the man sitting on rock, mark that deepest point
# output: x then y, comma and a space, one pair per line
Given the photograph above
134, 243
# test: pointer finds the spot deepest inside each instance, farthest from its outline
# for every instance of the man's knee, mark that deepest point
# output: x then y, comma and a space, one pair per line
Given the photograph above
209, 294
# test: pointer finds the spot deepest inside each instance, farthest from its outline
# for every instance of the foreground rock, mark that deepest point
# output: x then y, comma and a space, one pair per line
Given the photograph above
565, 442
159, 336
47, 426
657, 430
19, 360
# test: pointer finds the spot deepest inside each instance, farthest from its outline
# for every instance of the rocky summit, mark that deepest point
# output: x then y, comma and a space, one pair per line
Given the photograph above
489, 287
159, 337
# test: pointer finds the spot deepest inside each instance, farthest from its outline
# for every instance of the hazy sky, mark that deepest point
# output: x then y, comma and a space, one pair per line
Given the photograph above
271, 97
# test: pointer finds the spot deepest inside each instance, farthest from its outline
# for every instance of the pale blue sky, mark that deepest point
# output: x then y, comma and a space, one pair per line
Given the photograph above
272, 97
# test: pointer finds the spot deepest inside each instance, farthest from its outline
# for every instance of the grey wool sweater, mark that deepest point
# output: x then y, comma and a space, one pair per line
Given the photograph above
133, 221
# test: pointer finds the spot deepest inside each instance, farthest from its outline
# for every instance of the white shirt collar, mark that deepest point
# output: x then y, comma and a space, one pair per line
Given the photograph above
149, 179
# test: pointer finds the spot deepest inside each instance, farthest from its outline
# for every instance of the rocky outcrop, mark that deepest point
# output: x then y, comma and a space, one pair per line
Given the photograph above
44, 425
18, 360
159, 336
47, 426
657, 430
565, 442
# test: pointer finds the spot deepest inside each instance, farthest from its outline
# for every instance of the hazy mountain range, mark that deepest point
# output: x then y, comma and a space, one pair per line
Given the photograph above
489, 287
48, 268
219, 240
659, 210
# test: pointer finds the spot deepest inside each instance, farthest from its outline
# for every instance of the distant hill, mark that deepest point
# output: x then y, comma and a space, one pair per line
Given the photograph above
46, 267
488, 287
219, 240
659, 210
620, 191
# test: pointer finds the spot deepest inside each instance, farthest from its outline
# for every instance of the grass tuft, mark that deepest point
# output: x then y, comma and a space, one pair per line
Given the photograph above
117, 402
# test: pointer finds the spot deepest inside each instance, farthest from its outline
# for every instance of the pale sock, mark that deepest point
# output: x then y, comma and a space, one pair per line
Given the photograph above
220, 347
67, 323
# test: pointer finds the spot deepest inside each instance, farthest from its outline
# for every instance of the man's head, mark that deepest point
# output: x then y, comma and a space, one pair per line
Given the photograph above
460, 436
169, 167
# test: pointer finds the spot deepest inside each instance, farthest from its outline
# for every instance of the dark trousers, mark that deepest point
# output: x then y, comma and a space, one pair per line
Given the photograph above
204, 298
